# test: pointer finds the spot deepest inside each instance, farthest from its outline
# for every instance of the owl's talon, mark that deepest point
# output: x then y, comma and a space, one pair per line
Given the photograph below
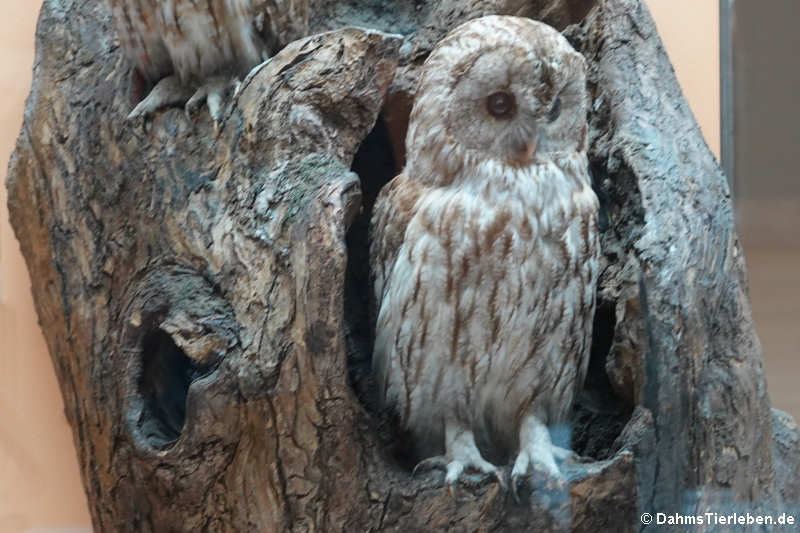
462, 454
196, 102
564, 455
438, 462
539, 454
500, 476
237, 86
452, 490
170, 92
516, 482
213, 94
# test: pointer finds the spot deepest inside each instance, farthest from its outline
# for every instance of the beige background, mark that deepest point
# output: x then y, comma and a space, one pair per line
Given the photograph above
39, 483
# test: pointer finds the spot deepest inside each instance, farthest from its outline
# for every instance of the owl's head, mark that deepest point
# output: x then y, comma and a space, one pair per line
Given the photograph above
503, 88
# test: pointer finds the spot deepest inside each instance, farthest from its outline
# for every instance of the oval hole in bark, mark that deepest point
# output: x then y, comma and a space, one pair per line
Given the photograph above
166, 374
177, 328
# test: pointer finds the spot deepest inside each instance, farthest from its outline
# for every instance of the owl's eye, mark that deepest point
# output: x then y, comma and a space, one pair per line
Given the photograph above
555, 110
501, 104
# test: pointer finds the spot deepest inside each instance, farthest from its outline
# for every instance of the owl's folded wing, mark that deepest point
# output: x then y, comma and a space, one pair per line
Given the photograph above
140, 37
394, 208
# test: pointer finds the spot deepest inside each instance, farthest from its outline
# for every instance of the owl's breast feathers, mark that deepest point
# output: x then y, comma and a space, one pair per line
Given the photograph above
485, 296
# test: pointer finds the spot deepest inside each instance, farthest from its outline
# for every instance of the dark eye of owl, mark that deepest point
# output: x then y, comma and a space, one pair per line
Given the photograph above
555, 110
501, 104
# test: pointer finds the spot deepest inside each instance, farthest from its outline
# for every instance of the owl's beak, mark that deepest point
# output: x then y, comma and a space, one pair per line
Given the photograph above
529, 149
525, 152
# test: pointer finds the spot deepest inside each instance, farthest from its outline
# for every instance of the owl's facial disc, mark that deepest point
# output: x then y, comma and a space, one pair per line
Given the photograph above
514, 105
517, 102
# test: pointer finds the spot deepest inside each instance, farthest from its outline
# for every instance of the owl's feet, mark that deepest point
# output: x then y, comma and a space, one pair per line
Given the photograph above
462, 454
170, 91
214, 93
538, 453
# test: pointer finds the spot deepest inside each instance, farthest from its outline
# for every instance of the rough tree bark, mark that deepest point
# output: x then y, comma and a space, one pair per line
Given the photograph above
204, 296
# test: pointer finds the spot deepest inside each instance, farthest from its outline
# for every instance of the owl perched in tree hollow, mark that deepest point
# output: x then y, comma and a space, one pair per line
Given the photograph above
485, 249
197, 47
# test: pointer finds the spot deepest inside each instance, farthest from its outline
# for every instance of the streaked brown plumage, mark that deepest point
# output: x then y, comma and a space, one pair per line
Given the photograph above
485, 251
189, 43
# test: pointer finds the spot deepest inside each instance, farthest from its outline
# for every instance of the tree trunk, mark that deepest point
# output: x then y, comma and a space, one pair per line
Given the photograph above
204, 295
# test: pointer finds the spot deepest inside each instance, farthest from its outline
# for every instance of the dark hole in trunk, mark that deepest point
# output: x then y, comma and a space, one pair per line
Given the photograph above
599, 415
163, 384
376, 165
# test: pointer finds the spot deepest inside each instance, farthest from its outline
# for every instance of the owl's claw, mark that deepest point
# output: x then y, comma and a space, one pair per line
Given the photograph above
516, 482
454, 469
440, 462
170, 91
462, 454
538, 453
214, 94
500, 476
437, 462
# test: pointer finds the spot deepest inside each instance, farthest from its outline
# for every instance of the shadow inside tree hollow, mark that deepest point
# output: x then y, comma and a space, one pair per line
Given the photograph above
163, 384
599, 414
375, 165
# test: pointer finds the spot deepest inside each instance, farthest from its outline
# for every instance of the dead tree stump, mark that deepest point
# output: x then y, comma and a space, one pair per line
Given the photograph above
204, 296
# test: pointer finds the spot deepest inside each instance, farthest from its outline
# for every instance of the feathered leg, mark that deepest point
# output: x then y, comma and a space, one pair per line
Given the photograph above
461, 453
539, 452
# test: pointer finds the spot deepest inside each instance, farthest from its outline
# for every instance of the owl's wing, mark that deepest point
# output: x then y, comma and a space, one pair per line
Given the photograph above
140, 36
229, 36
210, 38
198, 40
394, 208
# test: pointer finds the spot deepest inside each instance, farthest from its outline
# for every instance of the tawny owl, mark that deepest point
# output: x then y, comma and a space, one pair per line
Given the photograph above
485, 252
192, 47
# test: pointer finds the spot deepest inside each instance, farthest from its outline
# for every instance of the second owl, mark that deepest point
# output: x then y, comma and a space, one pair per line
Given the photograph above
196, 49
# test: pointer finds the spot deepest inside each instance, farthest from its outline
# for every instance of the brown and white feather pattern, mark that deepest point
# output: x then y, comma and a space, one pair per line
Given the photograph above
197, 39
485, 268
